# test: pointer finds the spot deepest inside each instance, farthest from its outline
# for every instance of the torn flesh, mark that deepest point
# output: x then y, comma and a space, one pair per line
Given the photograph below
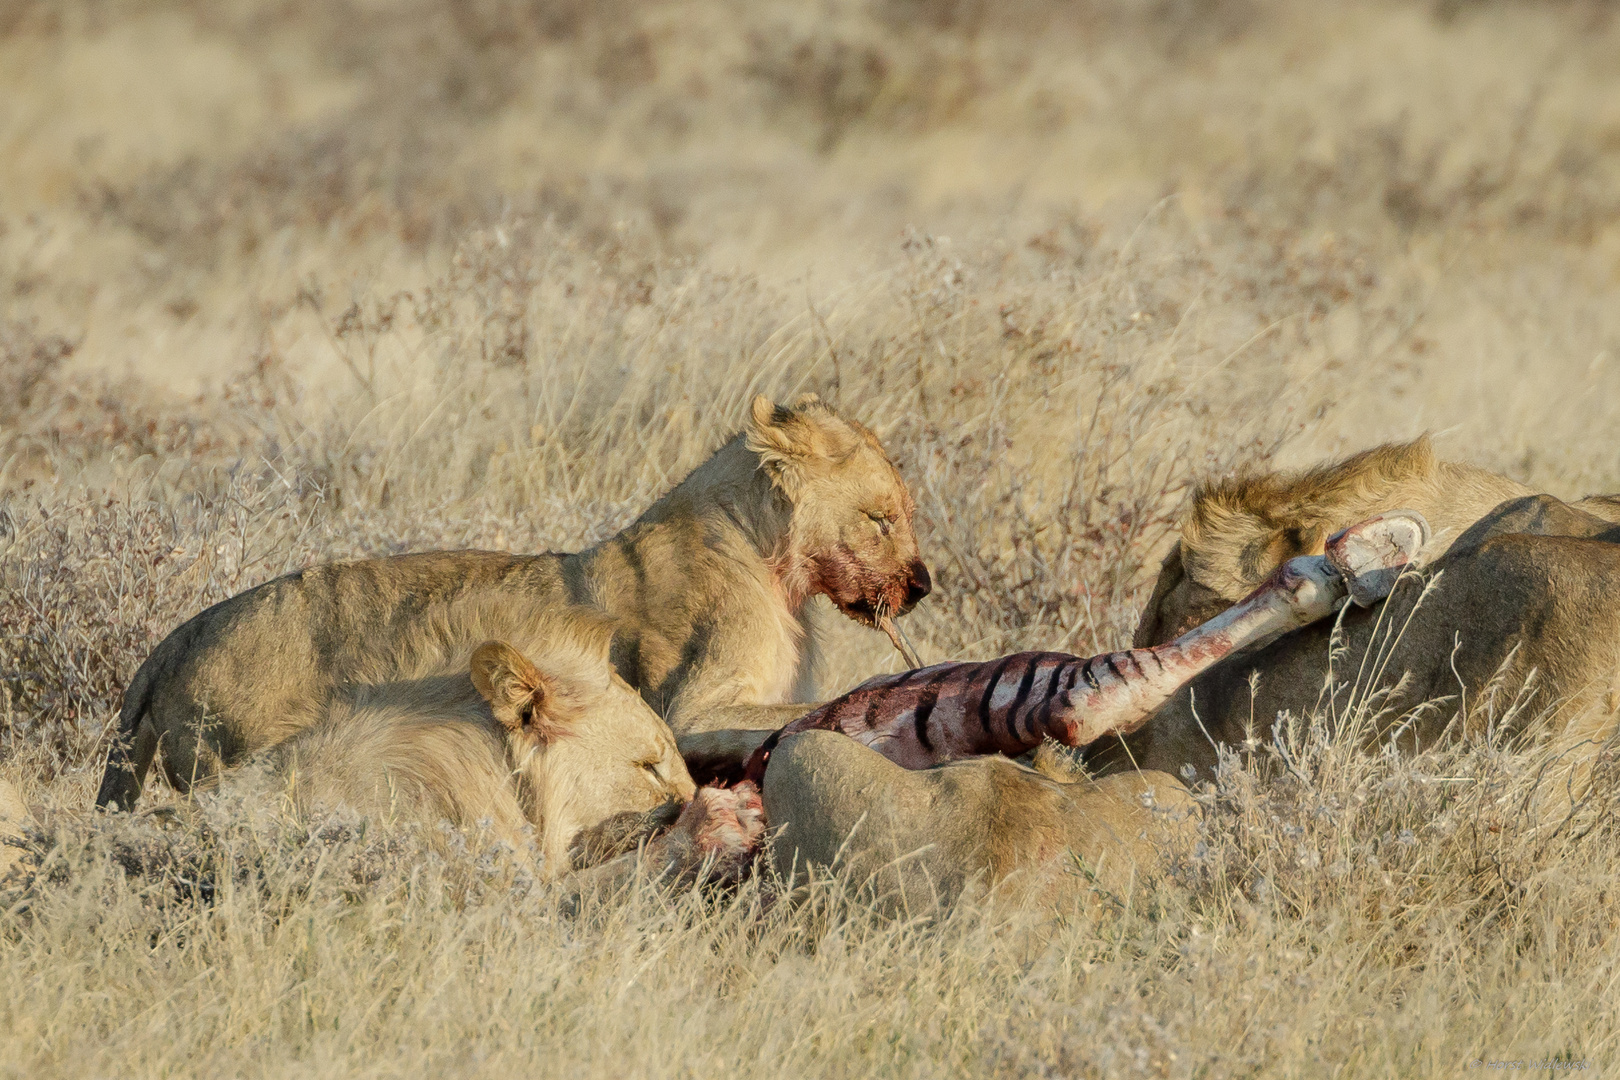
714, 839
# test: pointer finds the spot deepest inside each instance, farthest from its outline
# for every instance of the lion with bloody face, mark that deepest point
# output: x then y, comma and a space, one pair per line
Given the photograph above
709, 591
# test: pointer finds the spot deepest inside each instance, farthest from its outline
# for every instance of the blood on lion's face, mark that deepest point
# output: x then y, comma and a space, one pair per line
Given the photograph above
858, 539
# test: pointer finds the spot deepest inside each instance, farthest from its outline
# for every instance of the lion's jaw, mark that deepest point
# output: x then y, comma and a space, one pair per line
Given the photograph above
862, 592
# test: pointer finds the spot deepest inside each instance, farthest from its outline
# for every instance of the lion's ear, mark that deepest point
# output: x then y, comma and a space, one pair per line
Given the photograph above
522, 697
775, 429
789, 440
784, 447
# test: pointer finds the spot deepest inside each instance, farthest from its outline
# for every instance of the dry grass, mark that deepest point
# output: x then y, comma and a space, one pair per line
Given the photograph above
282, 283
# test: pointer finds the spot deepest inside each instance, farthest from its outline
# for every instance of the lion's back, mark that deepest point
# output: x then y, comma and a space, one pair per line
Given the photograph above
260, 666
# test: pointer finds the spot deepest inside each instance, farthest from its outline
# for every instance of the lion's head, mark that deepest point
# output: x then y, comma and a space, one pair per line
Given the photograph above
851, 535
589, 745
1240, 528
1243, 527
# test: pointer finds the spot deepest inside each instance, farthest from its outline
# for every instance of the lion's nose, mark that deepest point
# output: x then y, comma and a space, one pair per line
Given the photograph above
920, 585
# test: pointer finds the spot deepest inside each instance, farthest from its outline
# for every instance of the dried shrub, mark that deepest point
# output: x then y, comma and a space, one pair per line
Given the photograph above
88, 586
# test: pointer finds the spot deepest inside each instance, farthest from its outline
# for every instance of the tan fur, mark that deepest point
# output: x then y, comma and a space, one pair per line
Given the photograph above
562, 745
709, 590
920, 838
577, 750
1518, 632
1241, 529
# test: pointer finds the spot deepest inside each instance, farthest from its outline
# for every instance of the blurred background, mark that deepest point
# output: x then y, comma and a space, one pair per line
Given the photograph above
173, 175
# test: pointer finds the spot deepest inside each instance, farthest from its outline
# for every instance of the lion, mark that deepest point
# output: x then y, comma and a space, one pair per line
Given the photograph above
560, 746
1514, 629
710, 588
557, 757
566, 748
919, 838
1241, 529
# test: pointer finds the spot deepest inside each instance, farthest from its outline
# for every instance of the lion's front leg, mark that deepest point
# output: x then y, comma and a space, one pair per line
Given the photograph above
620, 834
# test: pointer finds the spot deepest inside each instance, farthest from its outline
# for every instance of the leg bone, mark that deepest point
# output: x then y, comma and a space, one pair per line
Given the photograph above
921, 718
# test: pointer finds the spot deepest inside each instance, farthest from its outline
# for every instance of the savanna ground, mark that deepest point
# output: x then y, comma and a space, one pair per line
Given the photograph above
315, 279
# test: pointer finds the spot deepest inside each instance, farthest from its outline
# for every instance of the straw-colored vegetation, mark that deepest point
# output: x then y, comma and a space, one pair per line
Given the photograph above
322, 278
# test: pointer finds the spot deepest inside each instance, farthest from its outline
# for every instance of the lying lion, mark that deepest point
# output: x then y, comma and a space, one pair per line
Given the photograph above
1515, 628
557, 757
1241, 529
709, 588
560, 747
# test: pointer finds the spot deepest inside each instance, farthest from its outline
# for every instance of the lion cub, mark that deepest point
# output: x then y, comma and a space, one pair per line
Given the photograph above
562, 744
